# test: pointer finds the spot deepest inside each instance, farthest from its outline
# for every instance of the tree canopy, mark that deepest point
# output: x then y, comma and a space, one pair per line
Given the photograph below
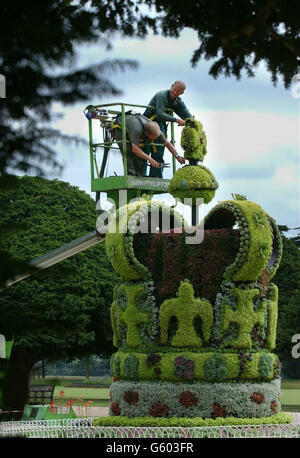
238, 35
287, 279
38, 50
61, 311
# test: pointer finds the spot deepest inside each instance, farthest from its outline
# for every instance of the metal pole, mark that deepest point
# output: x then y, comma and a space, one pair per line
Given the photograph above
124, 141
173, 143
91, 152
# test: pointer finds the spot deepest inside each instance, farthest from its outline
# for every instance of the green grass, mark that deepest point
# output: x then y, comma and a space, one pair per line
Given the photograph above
68, 380
83, 393
287, 384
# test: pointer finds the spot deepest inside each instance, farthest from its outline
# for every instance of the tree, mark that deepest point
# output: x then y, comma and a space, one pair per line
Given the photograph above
287, 279
38, 49
238, 34
61, 312
289, 325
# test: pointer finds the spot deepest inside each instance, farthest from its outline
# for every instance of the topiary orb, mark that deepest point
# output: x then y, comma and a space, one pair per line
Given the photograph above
193, 181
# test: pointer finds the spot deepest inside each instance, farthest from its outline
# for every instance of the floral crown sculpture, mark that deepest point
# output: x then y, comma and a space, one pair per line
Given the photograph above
195, 325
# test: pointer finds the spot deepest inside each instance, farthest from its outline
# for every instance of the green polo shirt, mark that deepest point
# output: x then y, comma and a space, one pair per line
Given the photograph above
162, 101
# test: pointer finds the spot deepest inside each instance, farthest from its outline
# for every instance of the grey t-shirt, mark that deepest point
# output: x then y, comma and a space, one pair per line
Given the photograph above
135, 129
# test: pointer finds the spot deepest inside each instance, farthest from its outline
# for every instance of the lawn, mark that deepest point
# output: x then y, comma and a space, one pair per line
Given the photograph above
290, 391
82, 393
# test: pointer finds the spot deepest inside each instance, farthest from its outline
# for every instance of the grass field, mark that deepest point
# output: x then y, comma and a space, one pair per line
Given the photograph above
290, 391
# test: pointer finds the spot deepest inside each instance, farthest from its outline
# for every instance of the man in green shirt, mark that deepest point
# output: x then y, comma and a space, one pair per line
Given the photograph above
162, 101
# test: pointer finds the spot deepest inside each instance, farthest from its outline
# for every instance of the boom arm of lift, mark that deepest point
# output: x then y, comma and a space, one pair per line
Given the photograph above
61, 253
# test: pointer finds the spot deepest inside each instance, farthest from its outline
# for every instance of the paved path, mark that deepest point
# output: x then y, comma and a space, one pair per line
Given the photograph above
92, 411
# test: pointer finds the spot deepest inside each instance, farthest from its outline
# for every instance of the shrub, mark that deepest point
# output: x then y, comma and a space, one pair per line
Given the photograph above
258, 398
131, 367
184, 367
159, 410
219, 411
131, 397
215, 369
265, 365
188, 399
280, 418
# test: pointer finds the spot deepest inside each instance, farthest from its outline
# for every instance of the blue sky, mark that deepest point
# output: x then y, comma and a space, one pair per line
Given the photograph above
252, 127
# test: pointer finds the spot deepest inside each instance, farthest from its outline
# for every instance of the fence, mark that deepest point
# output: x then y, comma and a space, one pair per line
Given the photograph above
83, 428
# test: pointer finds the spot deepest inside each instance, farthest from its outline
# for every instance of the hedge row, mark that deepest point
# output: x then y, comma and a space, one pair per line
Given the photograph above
206, 400
208, 367
280, 418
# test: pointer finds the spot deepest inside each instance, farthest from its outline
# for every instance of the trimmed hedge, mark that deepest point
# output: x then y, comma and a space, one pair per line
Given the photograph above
255, 237
206, 400
186, 308
193, 181
206, 366
278, 419
119, 237
246, 317
193, 140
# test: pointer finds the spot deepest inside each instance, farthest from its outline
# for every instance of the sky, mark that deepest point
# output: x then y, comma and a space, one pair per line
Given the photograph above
252, 127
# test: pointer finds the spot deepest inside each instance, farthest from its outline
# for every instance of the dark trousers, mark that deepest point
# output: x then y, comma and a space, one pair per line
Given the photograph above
135, 165
157, 153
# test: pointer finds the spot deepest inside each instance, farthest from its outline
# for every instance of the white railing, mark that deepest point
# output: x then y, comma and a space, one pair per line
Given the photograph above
83, 428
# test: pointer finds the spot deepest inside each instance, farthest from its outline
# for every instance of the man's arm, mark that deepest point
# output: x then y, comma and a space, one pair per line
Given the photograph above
161, 108
181, 110
174, 152
140, 153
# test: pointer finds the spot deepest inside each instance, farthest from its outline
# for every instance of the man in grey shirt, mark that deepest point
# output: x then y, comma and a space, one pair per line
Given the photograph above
140, 130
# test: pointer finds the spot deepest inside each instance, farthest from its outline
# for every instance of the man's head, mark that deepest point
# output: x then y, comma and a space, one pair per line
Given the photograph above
152, 130
177, 89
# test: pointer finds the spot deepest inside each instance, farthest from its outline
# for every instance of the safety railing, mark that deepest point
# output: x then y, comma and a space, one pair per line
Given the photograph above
108, 142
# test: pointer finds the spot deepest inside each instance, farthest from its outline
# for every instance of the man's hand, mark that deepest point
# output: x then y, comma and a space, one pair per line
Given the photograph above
154, 163
180, 122
180, 159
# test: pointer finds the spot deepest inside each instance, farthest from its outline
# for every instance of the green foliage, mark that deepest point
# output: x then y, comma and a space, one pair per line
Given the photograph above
26, 130
26, 137
255, 237
277, 248
278, 419
115, 364
265, 365
167, 363
208, 399
63, 311
186, 308
237, 36
244, 316
134, 315
238, 197
272, 305
131, 367
119, 239
192, 182
193, 140
215, 369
